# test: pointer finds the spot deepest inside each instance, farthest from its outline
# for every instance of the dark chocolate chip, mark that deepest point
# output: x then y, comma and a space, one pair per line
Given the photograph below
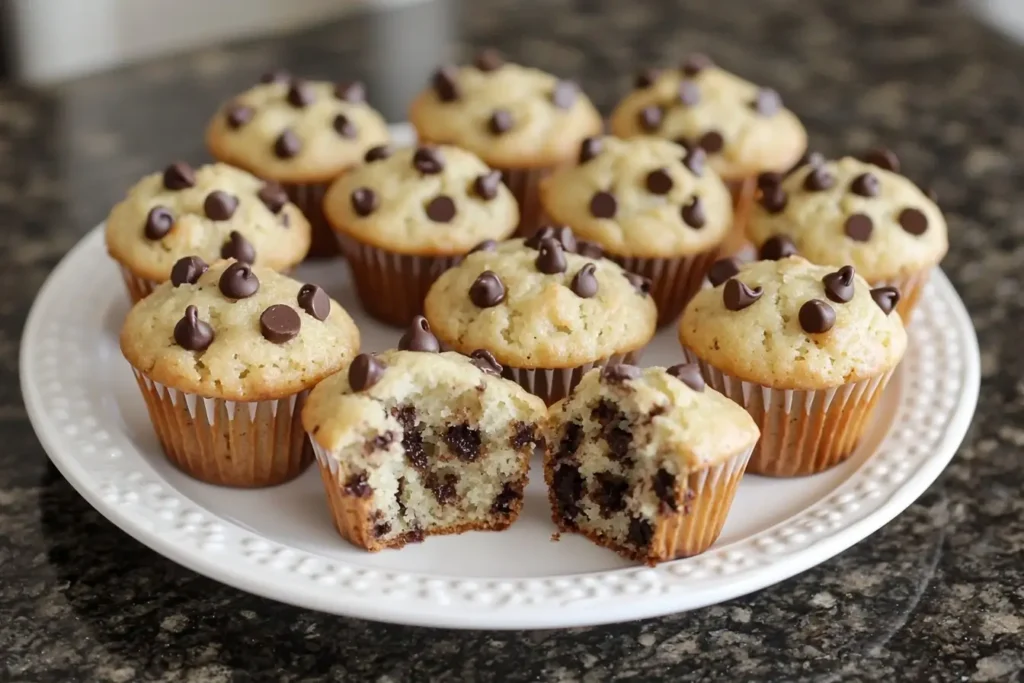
570, 440
378, 153
276, 76
505, 501
809, 158
616, 373
695, 63
659, 181
159, 222
646, 78
695, 159
382, 442
650, 117
280, 323
441, 209
773, 199
500, 122
564, 94
839, 285
464, 441
610, 495
364, 372
238, 248
487, 290
357, 486
568, 485
428, 161
767, 102
524, 434
689, 93
486, 362
489, 60
446, 83
689, 374
882, 158
589, 249
693, 213
768, 179
238, 281
865, 185
551, 259
179, 176
640, 532
238, 115
344, 127
913, 221
314, 300
738, 296
817, 317
818, 180
364, 201
886, 298
858, 227
486, 186
777, 247
300, 94
562, 234
723, 269
584, 282
711, 142
287, 145
273, 197
419, 337
187, 270
603, 205
486, 245
191, 333
412, 437
445, 491
220, 206
382, 529
664, 485
640, 283
353, 92
590, 148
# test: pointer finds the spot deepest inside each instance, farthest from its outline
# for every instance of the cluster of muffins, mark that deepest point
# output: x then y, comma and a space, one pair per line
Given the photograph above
530, 257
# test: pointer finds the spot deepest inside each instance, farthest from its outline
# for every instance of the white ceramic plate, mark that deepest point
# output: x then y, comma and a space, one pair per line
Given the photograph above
279, 543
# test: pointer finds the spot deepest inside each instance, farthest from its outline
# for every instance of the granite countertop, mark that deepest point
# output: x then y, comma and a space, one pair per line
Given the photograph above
934, 596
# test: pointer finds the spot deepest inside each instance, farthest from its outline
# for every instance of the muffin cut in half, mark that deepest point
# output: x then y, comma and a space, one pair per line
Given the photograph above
413, 443
646, 461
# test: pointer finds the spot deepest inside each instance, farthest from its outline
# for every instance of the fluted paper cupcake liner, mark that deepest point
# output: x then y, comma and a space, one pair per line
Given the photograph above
245, 444
348, 513
743, 193
802, 431
674, 281
392, 286
138, 287
309, 197
554, 384
524, 183
911, 287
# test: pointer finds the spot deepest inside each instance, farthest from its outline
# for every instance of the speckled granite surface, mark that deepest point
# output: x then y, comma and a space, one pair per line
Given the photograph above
935, 596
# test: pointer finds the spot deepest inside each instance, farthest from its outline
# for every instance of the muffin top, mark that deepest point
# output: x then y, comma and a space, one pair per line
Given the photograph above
743, 128
688, 420
853, 212
640, 197
296, 131
790, 324
212, 212
237, 332
537, 304
509, 115
437, 200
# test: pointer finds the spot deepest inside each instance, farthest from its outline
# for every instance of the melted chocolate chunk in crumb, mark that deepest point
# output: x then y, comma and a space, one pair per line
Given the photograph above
382, 529
665, 489
570, 440
619, 440
568, 487
412, 436
640, 532
505, 501
356, 485
382, 442
524, 434
610, 496
463, 441
444, 490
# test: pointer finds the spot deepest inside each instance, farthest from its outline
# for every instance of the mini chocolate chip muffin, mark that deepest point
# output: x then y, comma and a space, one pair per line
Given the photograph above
520, 120
302, 134
215, 211
806, 349
414, 443
225, 356
407, 216
653, 208
860, 212
547, 314
743, 128
646, 461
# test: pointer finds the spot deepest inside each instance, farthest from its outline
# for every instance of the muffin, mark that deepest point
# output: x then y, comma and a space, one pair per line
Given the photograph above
519, 120
646, 461
301, 134
408, 216
743, 128
857, 212
547, 314
212, 212
806, 349
414, 443
652, 209
225, 356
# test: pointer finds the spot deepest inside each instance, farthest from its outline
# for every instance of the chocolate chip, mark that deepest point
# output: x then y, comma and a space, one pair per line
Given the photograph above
505, 501
280, 323
689, 93
640, 532
191, 333
179, 176
378, 153
865, 185
659, 181
273, 197
809, 158
738, 296
640, 283
419, 337
664, 484
159, 222
564, 94
220, 206
768, 179
276, 76
428, 161
777, 247
486, 245
238, 248
650, 117
364, 201
463, 441
584, 282
767, 102
486, 186
695, 159
886, 298
616, 373
353, 92
570, 440
603, 205
412, 438
187, 270
441, 209
444, 491
314, 300
610, 495
882, 158
913, 221
287, 145
487, 290
551, 259
773, 199
486, 362
693, 213
300, 94
818, 180
238, 281
817, 317
590, 148
238, 115
568, 485
446, 83
364, 372
589, 249
357, 486
689, 374
344, 127
723, 269
381, 529
695, 63
500, 122
858, 227
646, 78
562, 234
839, 285
489, 60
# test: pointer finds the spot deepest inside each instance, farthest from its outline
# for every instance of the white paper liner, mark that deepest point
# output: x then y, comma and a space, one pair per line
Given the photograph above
674, 281
743, 193
554, 384
309, 197
138, 287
